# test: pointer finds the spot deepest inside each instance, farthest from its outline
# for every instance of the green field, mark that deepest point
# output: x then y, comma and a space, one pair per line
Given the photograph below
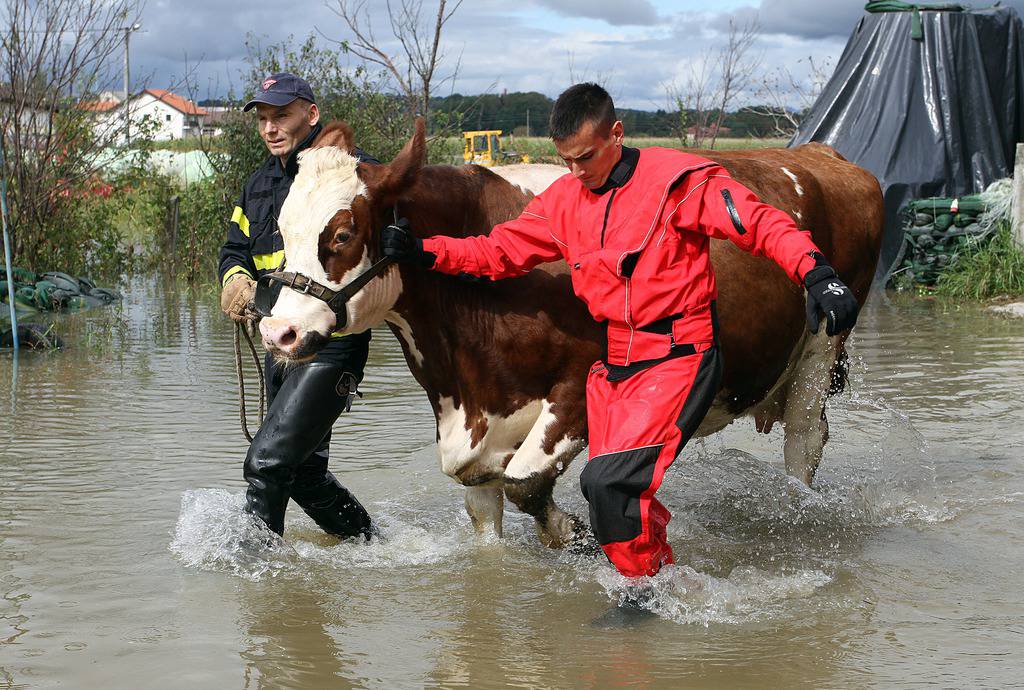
542, 150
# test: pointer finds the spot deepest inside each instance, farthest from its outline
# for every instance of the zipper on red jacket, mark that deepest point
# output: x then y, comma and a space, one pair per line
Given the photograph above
607, 210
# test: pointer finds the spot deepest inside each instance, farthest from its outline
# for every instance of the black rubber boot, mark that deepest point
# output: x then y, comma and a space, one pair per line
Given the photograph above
288, 456
326, 501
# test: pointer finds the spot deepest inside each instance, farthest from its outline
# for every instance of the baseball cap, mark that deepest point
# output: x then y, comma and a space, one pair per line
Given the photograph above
279, 89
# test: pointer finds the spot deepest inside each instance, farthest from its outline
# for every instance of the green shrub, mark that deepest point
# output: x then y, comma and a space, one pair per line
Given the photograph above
986, 269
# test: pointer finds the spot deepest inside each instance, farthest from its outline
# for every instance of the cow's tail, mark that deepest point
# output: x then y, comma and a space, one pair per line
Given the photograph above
840, 375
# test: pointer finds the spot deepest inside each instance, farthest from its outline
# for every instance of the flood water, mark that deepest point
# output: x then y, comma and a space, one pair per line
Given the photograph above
121, 523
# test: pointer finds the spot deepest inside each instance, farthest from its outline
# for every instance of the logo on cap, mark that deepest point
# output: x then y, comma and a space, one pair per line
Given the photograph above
267, 83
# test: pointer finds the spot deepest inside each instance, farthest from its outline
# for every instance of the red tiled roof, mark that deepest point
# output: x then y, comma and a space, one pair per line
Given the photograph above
175, 101
98, 106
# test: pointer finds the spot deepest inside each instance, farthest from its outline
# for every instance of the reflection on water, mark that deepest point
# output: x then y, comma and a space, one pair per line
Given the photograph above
127, 561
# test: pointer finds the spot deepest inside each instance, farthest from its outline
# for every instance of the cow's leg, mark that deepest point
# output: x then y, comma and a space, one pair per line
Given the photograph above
485, 504
533, 496
806, 428
530, 480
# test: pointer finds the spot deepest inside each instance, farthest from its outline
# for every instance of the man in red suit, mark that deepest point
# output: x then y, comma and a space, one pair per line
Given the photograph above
635, 227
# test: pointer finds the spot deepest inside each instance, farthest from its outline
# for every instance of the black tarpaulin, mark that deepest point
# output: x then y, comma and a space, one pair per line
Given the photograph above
938, 115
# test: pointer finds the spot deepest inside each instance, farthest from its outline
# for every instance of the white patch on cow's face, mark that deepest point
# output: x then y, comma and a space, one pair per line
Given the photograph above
531, 459
796, 182
406, 336
455, 439
327, 182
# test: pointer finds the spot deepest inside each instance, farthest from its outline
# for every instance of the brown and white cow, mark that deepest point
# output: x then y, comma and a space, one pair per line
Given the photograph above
504, 363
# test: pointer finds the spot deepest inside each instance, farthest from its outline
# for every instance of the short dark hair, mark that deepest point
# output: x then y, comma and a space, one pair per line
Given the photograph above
578, 104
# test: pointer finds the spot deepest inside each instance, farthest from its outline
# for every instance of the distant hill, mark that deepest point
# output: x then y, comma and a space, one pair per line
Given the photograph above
514, 112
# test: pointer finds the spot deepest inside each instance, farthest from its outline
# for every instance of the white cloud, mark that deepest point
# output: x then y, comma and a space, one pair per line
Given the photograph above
615, 12
514, 46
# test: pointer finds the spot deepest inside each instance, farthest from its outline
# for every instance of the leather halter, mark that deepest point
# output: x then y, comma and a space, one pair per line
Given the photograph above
303, 284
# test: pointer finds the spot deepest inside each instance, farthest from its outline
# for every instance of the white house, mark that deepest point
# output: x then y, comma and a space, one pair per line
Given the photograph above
169, 115
173, 116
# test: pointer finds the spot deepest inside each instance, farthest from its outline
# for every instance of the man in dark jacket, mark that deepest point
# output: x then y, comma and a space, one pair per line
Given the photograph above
288, 456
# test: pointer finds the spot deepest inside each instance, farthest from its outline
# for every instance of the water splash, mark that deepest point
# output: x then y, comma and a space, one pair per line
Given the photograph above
685, 596
401, 543
214, 533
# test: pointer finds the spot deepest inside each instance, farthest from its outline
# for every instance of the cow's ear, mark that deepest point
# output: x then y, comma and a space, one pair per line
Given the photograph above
388, 182
336, 134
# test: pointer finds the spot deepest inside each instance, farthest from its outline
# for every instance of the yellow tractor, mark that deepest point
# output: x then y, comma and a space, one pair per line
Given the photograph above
483, 147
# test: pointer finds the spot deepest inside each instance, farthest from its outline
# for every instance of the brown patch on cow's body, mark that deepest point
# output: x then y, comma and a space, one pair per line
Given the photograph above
507, 347
337, 134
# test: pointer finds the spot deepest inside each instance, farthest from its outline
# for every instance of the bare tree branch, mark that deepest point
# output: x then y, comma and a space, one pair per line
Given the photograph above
737, 69
55, 55
414, 67
787, 99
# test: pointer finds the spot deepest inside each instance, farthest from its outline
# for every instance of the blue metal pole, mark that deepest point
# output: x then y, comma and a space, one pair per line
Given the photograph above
7, 250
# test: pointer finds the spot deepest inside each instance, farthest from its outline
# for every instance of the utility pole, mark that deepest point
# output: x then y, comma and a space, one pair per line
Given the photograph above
527, 122
1017, 213
127, 118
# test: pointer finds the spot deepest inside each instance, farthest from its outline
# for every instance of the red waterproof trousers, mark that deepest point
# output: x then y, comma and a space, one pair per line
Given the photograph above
637, 426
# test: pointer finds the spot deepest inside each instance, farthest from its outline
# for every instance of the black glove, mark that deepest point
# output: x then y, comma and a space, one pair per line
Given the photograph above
827, 293
399, 244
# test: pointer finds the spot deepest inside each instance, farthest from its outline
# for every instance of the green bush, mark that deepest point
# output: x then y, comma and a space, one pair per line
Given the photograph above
986, 269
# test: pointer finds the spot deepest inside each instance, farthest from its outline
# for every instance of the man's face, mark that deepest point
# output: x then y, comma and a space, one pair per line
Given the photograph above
283, 127
590, 154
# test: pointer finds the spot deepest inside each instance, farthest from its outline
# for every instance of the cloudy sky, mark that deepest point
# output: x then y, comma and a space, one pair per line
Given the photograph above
634, 47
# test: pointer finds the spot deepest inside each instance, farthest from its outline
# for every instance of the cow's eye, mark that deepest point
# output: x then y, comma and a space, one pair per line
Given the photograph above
342, 236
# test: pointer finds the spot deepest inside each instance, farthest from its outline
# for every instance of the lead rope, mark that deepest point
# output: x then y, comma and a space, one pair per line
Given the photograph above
239, 331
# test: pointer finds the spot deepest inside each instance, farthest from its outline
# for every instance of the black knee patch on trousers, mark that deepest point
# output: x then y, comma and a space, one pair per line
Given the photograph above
701, 396
612, 485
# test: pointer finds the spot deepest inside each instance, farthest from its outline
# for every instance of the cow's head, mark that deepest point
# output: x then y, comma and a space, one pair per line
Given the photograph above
330, 224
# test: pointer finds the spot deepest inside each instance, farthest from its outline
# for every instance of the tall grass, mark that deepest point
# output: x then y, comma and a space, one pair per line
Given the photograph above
987, 269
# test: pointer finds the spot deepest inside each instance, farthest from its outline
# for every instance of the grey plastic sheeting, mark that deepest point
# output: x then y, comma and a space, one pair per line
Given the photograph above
932, 117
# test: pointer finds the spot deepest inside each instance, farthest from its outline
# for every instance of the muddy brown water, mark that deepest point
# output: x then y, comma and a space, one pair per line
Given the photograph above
120, 532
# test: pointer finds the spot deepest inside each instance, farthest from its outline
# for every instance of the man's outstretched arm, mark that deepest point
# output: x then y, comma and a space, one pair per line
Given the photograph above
511, 249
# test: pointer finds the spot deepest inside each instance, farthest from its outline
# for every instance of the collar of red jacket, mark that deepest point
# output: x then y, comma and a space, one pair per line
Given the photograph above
622, 171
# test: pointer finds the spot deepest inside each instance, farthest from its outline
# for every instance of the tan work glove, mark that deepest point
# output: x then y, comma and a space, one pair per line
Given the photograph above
236, 298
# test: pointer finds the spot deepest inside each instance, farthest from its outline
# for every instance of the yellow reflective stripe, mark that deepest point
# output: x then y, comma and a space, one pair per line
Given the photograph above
231, 272
237, 216
268, 262
339, 335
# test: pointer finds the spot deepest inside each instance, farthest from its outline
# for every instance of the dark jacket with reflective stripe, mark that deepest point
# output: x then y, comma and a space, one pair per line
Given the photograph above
254, 244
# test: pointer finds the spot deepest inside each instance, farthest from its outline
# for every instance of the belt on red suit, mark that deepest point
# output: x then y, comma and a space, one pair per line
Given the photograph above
678, 335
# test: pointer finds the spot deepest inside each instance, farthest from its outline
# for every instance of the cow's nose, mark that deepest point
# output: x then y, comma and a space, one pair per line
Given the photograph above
279, 334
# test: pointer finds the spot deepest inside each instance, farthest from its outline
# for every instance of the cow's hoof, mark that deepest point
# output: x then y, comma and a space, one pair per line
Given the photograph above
584, 543
560, 529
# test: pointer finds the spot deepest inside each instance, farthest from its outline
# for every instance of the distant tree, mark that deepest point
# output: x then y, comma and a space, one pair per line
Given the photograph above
55, 58
414, 69
787, 98
701, 101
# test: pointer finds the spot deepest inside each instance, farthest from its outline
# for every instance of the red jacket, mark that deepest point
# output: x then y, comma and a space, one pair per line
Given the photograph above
638, 253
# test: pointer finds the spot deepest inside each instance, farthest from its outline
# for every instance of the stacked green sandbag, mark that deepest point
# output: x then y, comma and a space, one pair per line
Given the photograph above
55, 291
935, 231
